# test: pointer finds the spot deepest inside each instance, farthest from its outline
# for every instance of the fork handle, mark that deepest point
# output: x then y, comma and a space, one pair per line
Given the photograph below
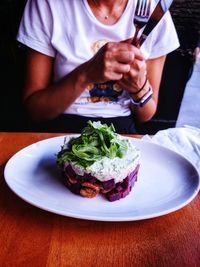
135, 42
135, 39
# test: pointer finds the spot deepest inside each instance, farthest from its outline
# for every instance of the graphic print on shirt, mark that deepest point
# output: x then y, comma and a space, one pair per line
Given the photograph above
107, 91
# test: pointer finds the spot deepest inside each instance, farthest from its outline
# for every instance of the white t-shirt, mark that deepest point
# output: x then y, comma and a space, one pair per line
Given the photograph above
68, 31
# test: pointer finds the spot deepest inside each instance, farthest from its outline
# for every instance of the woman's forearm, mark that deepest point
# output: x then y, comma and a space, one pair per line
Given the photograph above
50, 102
145, 113
154, 75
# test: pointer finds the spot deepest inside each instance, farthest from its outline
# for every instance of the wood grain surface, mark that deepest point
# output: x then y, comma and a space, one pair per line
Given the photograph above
30, 236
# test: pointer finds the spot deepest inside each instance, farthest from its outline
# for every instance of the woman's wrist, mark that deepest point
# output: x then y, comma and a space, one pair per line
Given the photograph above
136, 95
140, 89
143, 95
144, 99
82, 79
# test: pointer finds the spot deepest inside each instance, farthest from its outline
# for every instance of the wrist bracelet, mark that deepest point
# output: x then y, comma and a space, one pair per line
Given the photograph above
141, 102
135, 93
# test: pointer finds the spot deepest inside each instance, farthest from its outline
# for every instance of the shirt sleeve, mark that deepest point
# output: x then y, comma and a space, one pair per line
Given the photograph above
162, 40
36, 27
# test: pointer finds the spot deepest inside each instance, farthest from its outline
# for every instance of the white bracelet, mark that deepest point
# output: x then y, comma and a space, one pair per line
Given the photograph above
141, 102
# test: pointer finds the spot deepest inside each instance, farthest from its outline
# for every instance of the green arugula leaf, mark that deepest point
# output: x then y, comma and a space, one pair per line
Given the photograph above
95, 142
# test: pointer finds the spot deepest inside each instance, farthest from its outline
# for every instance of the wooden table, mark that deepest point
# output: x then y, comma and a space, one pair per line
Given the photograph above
33, 237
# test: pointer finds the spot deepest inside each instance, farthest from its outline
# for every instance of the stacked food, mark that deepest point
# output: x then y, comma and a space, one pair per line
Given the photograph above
99, 161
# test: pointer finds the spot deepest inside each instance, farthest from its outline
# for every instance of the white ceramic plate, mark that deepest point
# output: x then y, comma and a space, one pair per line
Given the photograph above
166, 183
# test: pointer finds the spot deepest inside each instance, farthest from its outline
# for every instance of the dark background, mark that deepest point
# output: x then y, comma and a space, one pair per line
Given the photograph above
186, 16
11, 67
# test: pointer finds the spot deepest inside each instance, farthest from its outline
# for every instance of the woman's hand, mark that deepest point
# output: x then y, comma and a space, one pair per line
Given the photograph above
113, 62
135, 79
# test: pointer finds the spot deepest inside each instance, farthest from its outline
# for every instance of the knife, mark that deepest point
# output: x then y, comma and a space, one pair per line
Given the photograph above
159, 11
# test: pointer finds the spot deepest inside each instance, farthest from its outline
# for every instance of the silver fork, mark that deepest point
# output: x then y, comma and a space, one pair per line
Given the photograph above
142, 13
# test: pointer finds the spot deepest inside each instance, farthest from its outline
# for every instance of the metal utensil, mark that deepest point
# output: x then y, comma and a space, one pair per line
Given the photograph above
159, 11
141, 17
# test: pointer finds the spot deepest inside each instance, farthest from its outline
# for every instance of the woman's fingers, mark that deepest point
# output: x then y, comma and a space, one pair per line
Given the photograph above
119, 68
119, 57
125, 57
115, 71
134, 79
128, 51
113, 60
136, 50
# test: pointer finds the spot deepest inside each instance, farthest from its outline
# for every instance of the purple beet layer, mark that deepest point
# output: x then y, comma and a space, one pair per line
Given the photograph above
89, 186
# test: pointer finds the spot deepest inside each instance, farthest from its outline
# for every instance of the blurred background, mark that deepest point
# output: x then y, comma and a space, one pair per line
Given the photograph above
180, 86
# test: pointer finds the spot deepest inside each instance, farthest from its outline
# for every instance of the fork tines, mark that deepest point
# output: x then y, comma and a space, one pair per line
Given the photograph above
142, 10
142, 13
